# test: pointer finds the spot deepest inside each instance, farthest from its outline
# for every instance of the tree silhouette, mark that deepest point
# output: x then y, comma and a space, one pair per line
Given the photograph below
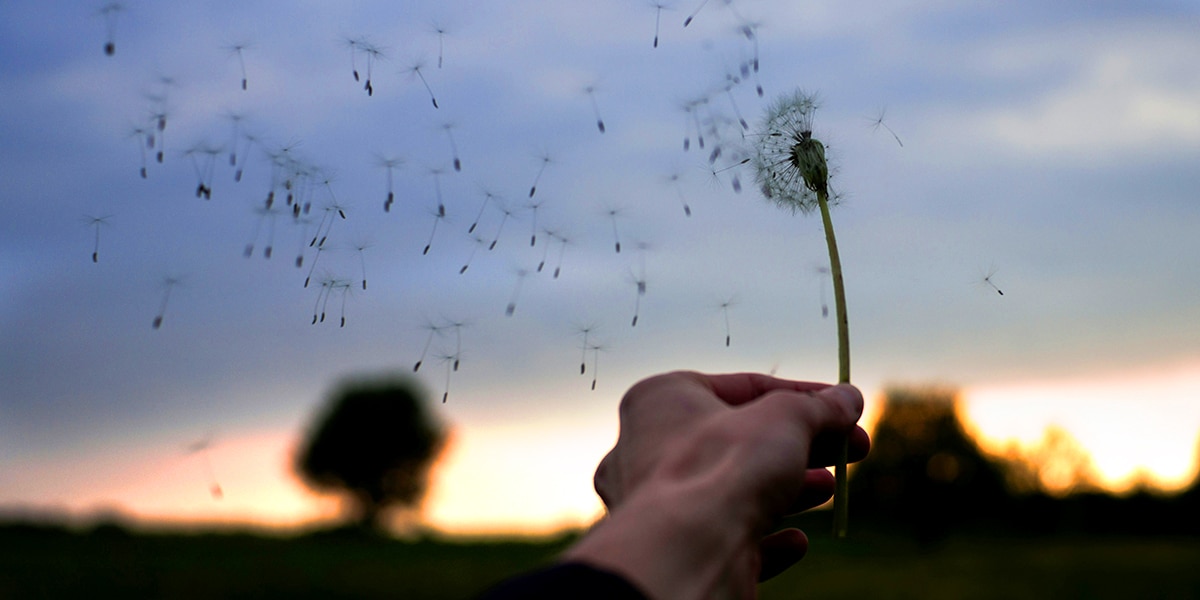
374, 442
925, 472
927, 477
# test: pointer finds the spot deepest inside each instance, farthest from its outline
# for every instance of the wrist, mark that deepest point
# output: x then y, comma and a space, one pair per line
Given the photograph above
672, 540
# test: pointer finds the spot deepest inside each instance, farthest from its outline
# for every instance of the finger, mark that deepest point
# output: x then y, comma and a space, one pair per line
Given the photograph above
740, 388
828, 447
605, 481
818, 489
781, 550
831, 410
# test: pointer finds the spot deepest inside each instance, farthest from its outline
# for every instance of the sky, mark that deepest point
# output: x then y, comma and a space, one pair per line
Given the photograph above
1047, 151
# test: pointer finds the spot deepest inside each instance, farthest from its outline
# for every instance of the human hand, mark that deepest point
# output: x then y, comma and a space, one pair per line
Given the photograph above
723, 456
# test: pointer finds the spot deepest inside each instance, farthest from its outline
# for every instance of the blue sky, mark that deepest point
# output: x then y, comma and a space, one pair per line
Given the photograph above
1054, 145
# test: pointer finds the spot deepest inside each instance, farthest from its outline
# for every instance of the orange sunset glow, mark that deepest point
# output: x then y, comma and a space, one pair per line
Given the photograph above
535, 478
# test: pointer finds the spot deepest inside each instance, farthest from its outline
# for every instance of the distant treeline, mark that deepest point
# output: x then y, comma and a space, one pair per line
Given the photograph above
927, 477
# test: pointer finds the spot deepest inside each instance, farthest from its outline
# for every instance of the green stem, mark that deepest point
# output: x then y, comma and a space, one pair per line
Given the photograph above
841, 513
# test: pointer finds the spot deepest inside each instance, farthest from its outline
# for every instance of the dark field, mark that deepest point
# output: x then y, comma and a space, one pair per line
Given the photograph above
50, 562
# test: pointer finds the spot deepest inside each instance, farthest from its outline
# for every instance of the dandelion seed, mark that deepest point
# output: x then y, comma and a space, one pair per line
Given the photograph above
674, 179
96, 223
441, 34
695, 112
715, 154
353, 45
546, 160
203, 158
507, 213
355, 48
434, 330
361, 247
389, 164
688, 20
612, 216
658, 8
235, 141
448, 360
145, 140
987, 279
447, 127
487, 198
533, 207
437, 190
512, 302
545, 249
237, 49
689, 110
168, 284
734, 179
210, 160
591, 93
331, 209
415, 69
478, 243
251, 141
313, 265
373, 53
724, 306
585, 331
736, 110
595, 348
109, 12
276, 166
877, 122
201, 448
791, 170
457, 326
438, 215
640, 282
304, 224
562, 250
345, 287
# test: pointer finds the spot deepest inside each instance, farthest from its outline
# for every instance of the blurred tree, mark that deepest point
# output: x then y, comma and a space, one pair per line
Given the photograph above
375, 442
1062, 465
926, 476
925, 473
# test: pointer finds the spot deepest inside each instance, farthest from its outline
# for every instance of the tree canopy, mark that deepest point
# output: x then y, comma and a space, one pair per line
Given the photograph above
375, 442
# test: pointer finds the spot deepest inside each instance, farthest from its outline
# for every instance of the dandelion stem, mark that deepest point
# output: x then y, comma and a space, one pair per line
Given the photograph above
841, 490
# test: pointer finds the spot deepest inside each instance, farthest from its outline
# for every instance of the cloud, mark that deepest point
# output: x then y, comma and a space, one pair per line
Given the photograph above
1106, 94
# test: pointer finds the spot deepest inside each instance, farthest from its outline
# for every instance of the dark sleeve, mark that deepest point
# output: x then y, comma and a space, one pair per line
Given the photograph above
565, 580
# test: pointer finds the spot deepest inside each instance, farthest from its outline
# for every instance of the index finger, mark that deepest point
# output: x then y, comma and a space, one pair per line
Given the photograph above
740, 388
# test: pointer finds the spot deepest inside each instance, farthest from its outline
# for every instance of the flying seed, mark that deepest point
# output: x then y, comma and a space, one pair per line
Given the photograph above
878, 122
415, 69
688, 20
591, 93
447, 127
96, 223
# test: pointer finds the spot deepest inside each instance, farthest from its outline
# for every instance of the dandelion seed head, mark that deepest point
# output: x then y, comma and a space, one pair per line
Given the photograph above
789, 163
